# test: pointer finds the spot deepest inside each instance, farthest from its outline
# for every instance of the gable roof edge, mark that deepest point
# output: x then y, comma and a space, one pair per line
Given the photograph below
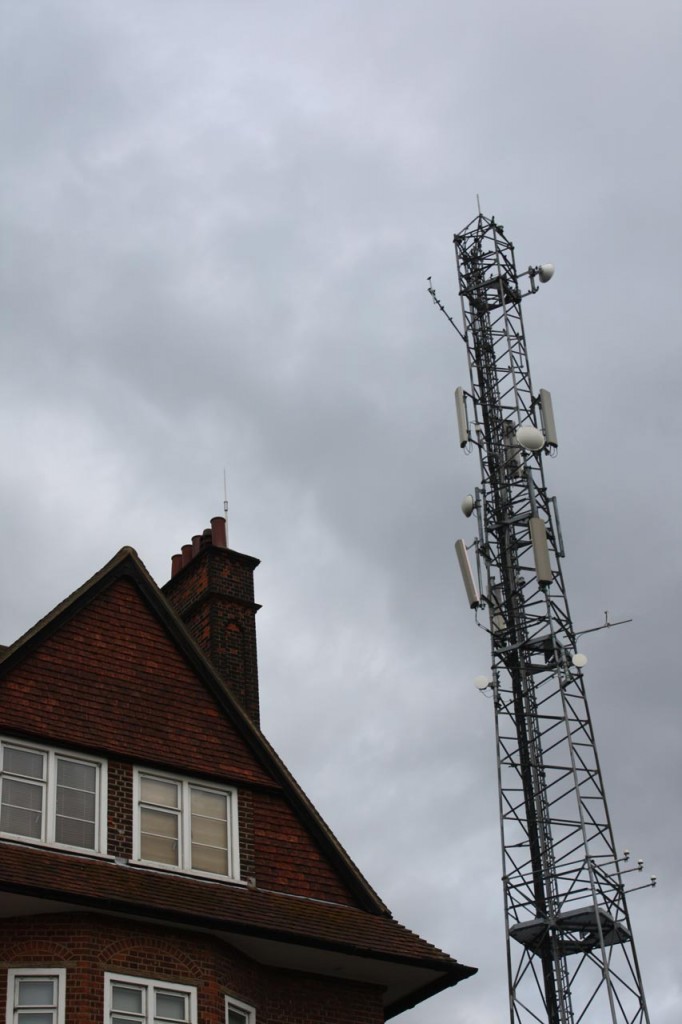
128, 563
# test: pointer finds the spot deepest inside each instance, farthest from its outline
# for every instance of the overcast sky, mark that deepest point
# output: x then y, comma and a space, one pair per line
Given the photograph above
218, 222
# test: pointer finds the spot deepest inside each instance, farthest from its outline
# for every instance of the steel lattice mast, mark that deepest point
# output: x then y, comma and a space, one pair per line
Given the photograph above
570, 951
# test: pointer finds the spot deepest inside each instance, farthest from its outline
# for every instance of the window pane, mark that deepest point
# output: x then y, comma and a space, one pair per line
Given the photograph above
211, 805
22, 805
159, 823
207, 858
76, 804
36, 1017
73, 803
28, 763
125, 997
22, 794
157, 791
159, 836
72, 832
36, 992
209, 832
21, 823
171, 1006
76, 775
235, 1016
160, 850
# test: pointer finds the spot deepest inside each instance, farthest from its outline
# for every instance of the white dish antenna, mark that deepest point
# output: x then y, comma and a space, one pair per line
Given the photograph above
530, 438
482, 682
579, 660
468, 505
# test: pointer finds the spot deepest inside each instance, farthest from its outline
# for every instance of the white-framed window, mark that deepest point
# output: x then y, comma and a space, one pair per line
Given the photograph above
130, 1000
35, 995
185, 824
52, 796
238, 1013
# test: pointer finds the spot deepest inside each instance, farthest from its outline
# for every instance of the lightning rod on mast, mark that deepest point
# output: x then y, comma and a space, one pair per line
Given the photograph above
570, 950
225, 508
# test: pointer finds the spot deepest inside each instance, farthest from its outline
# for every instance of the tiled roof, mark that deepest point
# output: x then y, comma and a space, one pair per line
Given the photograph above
104, 885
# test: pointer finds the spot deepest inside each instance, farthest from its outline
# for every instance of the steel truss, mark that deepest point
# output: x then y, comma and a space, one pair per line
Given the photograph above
570, 952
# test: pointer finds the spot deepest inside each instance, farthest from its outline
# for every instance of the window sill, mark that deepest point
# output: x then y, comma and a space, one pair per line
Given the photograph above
40, 844
197, 876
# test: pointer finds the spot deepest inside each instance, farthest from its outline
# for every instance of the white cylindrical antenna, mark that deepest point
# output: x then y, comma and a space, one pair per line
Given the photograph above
538, 537
462, 419
547, 413
473, 596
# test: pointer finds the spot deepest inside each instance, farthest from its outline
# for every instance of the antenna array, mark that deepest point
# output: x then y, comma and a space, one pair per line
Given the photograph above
570, 951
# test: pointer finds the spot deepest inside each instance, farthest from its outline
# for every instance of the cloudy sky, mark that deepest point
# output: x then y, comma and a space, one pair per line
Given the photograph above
218, 222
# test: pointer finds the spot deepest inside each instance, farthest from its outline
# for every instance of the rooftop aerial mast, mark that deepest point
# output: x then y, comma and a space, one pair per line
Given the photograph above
570, 950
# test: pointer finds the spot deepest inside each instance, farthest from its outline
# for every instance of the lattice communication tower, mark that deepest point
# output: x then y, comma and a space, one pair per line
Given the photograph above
570, 950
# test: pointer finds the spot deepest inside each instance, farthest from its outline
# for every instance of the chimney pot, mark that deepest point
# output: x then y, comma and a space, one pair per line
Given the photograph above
218, 532
196, 544
176, 565
186, 554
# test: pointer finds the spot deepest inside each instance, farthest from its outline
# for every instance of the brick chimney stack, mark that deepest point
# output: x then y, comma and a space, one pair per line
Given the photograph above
211, 589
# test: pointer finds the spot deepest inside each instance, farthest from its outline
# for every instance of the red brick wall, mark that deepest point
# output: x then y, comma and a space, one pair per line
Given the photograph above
120, 817
112, 679
286, 861
89, 945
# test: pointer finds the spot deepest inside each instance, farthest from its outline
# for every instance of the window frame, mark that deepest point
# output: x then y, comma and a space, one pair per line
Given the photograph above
151, 985
245, 1008
187, 783
15, 974
49, 784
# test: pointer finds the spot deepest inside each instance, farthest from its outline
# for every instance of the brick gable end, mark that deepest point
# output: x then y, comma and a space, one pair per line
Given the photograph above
111, 679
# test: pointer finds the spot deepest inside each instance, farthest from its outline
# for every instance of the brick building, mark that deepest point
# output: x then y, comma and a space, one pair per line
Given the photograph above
158, 863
